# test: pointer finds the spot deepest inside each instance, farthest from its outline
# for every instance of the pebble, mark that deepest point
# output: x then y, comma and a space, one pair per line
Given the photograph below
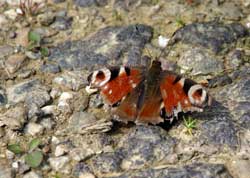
61, 150
48, 123
9, 155
240, 168
21, 92
48, 110
80, 154
34, 128
3, 20
5, 169
59, 164
73, 80
83, 122
3, 99
14, 62
22, 37
86, 175
11, 14
54, 93
199, 62
55, 140
32, 174
63, 102
25, 73
33, 55
6, 50
46, 18
14, 118
50, 68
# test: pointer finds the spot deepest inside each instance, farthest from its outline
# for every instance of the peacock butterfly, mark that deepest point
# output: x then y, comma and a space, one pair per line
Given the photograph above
148, 95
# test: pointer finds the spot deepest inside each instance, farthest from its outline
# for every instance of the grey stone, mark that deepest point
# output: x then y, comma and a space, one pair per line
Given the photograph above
220, 80
127, 5
32, 92
142, 146
34, 128
98, 50
14, 62
107, 163
48, 123
3, 98
33, 55
238, 91
32, 174
199, 62
240, 168
46, 18
87, 3
220, 132
235, 12
14, 118
73, 80
198, 170
6, 50
50, 68
19, 92
59, 164
81, 153
58, 1
83, 122
235, 59
211, 35
145, 145
245, 120
62, 23
25, 73
6, 170
80, 169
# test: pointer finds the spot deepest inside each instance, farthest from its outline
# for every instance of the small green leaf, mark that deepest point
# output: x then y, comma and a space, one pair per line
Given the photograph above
34, 159
44, 51
15, 148
34, 37
34, 143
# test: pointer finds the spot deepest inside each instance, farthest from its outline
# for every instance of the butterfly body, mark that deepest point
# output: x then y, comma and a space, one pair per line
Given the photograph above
148, 95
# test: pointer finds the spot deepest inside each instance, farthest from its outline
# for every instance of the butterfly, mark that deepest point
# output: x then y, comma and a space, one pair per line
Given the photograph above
148, 95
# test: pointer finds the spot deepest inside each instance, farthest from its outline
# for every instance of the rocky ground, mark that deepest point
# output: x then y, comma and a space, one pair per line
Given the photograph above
51, 128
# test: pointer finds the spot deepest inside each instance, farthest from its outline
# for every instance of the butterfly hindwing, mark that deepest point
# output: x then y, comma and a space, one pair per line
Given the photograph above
180, 94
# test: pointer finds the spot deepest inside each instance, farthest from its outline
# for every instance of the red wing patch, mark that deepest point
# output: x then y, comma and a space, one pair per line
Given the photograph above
114, 90
173, 94
150, 112
128, 109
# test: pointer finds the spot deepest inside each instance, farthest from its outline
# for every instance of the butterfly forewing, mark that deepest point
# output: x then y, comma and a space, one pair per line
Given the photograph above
116, 82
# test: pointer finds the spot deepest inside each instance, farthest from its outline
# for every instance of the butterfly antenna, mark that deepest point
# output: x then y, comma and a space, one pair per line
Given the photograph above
148, 52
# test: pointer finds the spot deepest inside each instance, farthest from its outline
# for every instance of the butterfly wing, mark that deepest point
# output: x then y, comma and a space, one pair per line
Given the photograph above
143, 105
151, 107
180, 94
128, 108
115, 82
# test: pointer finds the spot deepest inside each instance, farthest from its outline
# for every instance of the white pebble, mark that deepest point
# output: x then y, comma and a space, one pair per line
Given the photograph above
65, 96
163, 41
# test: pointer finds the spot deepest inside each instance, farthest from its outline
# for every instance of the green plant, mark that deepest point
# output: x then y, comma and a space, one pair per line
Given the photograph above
154, 2
35, 44
117, 15
190, 124
32, 154
180, 22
